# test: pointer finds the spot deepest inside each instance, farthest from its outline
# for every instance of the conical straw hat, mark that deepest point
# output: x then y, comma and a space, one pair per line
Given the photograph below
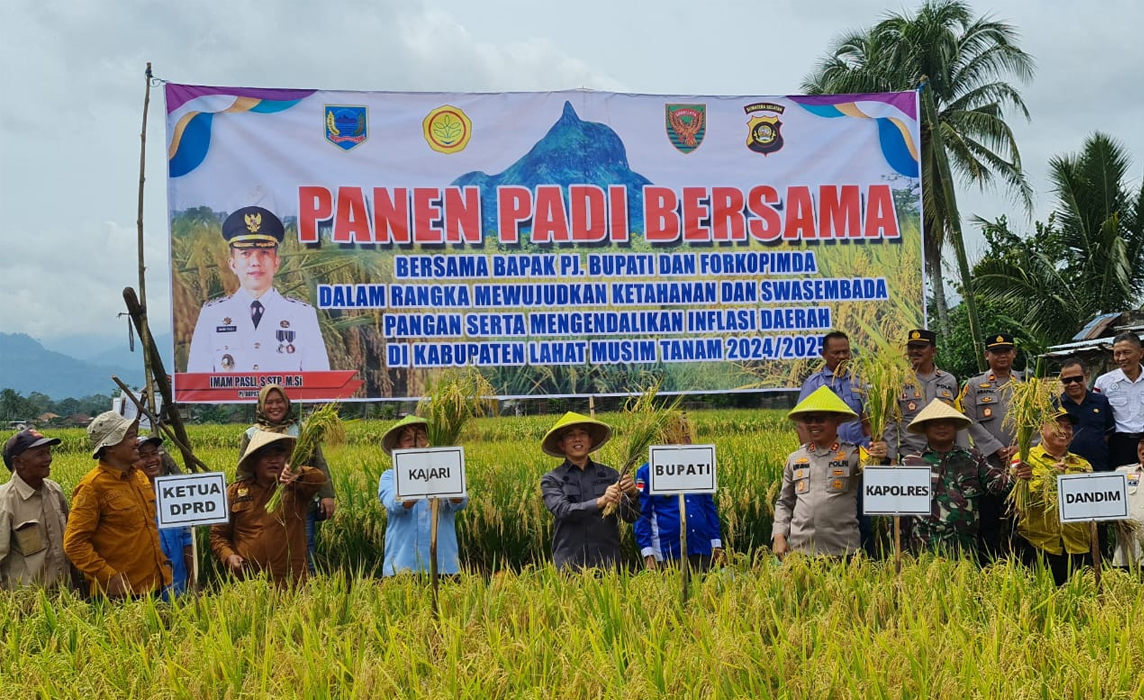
598, 432
822, 400
389, 440
261, 439
938, 410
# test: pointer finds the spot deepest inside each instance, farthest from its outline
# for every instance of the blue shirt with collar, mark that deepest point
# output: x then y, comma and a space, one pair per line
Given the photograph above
843, 386
407, 532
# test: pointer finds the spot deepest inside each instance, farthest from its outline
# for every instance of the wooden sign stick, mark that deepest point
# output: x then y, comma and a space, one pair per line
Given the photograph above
684, 562
434, 510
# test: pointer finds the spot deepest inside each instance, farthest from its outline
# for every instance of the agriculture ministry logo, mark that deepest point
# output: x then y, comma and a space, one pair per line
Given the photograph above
347, 126
764, 130
447, 129
686, 126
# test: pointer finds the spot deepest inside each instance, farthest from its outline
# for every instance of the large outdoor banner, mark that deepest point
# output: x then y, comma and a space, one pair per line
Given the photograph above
354, 244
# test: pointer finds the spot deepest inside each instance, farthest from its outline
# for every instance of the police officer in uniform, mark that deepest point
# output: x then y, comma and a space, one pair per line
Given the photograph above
931, 383
256, 329
985, 401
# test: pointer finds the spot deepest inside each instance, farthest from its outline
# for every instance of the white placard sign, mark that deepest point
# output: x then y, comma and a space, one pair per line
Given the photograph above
681, 469
191, 499
896, 491
432, 472
1083, 497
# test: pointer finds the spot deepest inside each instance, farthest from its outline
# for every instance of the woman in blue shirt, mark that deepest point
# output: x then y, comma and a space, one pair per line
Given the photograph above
408, 521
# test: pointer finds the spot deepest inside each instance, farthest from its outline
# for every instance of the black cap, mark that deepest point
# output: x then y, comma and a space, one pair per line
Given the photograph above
253, 227
999, 341
921, 335
22, 441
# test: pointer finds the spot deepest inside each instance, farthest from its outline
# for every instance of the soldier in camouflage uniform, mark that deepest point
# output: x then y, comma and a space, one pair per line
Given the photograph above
959, 476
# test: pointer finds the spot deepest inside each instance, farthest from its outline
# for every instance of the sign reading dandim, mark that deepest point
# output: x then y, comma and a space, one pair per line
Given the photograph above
353, 245
1083, 497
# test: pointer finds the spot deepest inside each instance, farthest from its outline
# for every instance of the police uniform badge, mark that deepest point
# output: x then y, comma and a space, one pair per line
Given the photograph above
764, 129
802, 486
911, 406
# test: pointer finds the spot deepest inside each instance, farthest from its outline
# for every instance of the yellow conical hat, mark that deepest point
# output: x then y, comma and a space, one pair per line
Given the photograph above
598, 432
822, 400
938, 410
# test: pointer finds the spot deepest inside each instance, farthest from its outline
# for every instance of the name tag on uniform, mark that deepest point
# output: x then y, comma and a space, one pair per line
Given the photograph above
226, 329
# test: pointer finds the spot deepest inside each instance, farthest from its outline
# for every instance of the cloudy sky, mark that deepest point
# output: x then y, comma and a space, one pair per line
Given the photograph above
71, 93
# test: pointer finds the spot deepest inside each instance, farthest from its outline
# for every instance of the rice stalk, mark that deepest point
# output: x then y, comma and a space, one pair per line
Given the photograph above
883, 377
647, 425
322, 423
1030, 406
451, 400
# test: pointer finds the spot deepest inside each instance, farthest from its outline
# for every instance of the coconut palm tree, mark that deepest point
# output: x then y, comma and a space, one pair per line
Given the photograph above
963, 65
1089, 257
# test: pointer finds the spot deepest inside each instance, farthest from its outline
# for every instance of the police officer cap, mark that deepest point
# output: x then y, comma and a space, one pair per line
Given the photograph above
999, 341
921, 335
253, 227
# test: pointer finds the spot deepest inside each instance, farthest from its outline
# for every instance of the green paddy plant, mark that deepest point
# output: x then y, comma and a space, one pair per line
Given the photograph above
452, 399
883, 376
321, 425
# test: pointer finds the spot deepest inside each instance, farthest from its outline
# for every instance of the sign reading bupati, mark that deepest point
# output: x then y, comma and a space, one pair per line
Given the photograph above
681, 469
191, 499
896, 491
352, 245
432, 472
1082, 497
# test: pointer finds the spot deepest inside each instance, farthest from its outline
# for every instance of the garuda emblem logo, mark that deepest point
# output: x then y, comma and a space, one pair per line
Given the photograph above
686, 126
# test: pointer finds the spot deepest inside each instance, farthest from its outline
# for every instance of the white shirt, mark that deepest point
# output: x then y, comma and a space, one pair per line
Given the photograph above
1126, 397
1133, 547
287, 338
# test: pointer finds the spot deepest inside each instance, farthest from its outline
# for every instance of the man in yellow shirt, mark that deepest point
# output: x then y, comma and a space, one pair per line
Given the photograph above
1063, 547
111, 534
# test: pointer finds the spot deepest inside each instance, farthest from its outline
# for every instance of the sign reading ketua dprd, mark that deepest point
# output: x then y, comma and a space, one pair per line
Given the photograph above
681, 469
1083, 497
191, 499
433, 472
896, 491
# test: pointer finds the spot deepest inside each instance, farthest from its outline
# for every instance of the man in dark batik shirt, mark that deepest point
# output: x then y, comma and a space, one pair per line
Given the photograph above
959, 477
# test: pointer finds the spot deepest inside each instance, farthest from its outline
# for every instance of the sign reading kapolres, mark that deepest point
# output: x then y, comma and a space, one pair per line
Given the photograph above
351, 244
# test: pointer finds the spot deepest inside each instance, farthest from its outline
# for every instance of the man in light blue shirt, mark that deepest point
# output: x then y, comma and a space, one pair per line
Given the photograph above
835, 351
408, 522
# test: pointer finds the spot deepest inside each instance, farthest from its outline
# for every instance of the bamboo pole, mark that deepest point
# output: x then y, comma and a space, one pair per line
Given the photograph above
166, 429
149, 394
138, 315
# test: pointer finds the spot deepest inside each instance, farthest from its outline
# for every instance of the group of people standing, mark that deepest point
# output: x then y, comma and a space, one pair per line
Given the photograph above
962, 434
110, 541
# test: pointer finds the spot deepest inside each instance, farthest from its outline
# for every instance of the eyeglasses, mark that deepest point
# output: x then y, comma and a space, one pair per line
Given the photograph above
1071, 380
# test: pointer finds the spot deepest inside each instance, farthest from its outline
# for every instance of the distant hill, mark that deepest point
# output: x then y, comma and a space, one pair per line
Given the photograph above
27, 366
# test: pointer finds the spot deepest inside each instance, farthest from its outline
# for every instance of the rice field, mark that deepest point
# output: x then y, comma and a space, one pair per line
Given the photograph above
511, 627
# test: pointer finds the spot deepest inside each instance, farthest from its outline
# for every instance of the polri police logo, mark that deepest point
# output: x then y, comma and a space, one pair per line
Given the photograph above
347, 126
764, 130
447, 129
686, 126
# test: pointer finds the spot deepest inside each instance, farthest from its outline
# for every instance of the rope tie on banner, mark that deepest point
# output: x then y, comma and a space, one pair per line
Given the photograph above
156, 81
